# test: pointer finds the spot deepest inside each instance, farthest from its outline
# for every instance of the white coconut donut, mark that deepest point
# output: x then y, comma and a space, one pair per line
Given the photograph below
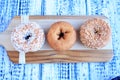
28, 37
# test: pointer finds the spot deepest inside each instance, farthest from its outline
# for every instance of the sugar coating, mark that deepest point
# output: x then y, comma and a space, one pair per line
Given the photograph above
28, 37
95, 33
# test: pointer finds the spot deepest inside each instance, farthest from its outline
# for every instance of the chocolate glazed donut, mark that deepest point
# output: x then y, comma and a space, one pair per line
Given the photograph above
61, 35
95, 33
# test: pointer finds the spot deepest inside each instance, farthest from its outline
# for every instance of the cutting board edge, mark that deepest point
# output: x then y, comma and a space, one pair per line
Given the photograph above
71, 56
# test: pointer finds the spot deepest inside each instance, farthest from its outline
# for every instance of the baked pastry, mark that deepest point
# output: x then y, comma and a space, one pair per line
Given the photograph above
61, 35
28, 37
95, 33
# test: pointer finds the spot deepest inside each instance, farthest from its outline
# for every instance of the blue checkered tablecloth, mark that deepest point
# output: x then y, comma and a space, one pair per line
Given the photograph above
61, 71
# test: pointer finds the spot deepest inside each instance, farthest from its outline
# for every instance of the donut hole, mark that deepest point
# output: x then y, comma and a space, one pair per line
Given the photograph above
28, 36
95, 31
61, 35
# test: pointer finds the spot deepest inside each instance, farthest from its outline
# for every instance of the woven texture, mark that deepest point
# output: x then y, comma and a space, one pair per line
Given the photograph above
61, 71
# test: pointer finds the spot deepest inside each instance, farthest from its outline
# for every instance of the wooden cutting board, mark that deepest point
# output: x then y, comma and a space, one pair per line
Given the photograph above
78, 53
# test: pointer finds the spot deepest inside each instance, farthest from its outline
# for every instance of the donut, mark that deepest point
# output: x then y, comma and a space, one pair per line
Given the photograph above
61, 35
95, 33
28, 37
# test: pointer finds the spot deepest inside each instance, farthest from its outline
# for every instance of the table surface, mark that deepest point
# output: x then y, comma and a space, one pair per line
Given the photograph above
61, 71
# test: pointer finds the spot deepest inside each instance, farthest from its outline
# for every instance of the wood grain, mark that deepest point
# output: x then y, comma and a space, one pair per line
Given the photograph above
51, 56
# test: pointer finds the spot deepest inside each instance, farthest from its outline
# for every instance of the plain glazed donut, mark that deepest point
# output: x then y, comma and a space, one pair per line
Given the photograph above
95, 33
28, 37
61, 35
